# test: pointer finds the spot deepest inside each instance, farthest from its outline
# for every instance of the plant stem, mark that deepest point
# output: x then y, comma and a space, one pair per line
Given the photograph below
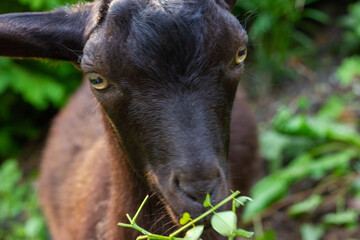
204, 214
142, 237
143, 231
140, 208
134, 226
259, 231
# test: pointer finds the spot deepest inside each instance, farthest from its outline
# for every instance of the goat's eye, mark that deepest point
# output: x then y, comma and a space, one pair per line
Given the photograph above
97, 81
241, 55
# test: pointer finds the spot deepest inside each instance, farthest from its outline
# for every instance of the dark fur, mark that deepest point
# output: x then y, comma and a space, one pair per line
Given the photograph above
162, 127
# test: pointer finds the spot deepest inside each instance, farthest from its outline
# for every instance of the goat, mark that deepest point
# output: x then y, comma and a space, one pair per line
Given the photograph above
165, 76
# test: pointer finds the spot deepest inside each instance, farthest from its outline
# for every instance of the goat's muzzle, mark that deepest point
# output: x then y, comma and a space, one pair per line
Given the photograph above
188, 186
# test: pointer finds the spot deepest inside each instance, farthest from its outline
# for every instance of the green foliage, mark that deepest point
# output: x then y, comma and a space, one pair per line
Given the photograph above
194, 233
185, 218
349, 70
332, 109
310, 232
318, 147
278, 30
40, 5
350, 22
37, 89
306, 206
28, 97
20, 217
349, 217
336, 145
207, 202
225, 223
268, 235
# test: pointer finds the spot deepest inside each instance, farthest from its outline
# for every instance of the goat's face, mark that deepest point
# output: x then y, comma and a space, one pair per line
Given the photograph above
166, 75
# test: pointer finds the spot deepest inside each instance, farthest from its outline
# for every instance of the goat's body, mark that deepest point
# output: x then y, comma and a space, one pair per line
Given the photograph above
84, 195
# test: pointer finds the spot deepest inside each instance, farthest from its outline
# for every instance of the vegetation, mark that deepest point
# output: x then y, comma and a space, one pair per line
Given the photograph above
317, 150
20, 217
30, 94
225, 223
311, 149
279, 34
33, 88
350, 23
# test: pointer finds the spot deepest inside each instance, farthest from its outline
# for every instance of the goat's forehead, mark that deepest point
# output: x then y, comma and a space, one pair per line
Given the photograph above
161, 30
153, 15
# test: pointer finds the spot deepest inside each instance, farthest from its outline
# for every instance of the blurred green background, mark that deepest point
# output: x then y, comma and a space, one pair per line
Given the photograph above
303, 73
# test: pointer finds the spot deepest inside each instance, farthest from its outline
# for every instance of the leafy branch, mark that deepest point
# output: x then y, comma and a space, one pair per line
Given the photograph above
225, 223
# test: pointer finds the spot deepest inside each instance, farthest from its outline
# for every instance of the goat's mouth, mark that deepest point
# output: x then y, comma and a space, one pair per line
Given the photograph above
177, 214
208, 232
177, 200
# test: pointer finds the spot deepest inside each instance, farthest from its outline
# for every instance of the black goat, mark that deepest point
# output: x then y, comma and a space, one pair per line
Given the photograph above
165, 74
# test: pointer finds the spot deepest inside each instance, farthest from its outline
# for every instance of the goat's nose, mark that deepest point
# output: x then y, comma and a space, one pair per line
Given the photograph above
197, 184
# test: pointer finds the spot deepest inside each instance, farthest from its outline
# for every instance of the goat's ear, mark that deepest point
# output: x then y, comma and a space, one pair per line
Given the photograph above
60, 34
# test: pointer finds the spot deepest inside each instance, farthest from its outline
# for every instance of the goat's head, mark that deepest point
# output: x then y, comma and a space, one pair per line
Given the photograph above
165, 73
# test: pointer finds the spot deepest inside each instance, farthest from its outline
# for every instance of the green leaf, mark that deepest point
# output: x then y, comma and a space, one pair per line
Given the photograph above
185, 218
348, 70
332, 108
261, 25
194, 233
268, 235
34, 227
242, 233
207, 202
315, 127
348, 217
311, 232
9, 170
224, 223
316, 15
329, 162
274, 186
305, 206
272, 147
266, 192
